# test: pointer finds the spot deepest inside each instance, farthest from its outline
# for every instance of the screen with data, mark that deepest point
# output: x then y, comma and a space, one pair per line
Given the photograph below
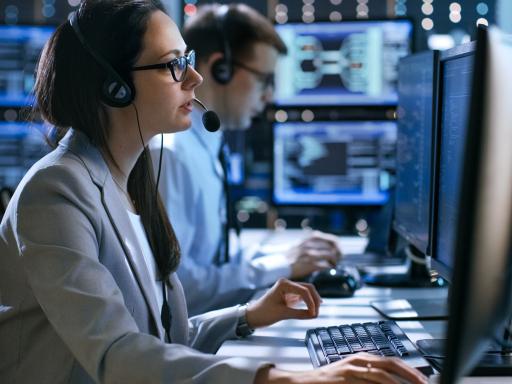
415, 139
345, 63
333, 163
21, 145
20, 48
455, 90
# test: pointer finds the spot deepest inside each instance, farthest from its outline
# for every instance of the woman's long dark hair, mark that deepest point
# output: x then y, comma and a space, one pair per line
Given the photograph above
68, 93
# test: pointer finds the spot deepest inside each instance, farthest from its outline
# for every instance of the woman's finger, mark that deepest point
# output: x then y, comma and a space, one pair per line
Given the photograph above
391, 365
288, 287
314, 293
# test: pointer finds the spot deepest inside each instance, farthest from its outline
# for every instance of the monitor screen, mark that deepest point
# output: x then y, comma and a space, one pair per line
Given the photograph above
20, 48
333, 163
21, 145
414, 156
346, 63
456, 72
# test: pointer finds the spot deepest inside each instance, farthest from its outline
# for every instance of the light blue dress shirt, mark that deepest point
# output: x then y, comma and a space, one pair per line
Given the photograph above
192, 190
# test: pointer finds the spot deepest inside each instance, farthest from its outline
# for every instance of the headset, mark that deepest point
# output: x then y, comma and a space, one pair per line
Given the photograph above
115, 91
222, 69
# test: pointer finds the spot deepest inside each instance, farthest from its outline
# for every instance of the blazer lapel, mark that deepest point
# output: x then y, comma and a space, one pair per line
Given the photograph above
121, 222
79, 144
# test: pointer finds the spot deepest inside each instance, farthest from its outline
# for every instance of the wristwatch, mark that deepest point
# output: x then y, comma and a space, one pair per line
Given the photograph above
242, 328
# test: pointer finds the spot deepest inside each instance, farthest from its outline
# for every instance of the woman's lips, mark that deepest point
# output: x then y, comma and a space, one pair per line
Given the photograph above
187, 106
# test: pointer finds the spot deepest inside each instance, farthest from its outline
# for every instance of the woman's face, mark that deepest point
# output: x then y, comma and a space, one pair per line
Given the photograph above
164, 105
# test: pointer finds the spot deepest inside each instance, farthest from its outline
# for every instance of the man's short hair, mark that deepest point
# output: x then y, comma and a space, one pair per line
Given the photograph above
240, 28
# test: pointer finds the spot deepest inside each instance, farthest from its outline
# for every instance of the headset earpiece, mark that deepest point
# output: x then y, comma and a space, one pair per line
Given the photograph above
222, 69
115, 92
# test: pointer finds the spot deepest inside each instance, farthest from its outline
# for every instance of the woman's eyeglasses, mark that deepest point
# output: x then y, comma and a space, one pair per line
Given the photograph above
177, 66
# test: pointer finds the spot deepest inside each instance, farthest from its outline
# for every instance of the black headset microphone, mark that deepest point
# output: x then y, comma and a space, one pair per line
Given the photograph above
210, 119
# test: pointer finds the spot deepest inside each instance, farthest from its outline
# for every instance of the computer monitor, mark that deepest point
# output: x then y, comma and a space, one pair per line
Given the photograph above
456, 72
417, 98
21, 145
346, 63
332, 163
480, 300
414, 155
20, 48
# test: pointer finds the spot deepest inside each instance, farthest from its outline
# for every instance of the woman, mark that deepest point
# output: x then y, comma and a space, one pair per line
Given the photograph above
87, 254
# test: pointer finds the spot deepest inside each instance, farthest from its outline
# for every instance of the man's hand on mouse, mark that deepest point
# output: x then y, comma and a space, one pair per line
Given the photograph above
318, 251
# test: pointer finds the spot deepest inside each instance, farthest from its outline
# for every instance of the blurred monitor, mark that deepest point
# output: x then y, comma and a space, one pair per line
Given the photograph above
345, 63
333, 163
480, 300
20, 48
21, 145
417, 87
456, 74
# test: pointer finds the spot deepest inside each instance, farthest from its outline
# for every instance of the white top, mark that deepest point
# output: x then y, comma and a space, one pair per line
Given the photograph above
192, 191
147, 254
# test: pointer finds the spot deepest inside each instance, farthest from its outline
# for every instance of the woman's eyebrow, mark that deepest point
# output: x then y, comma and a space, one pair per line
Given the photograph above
176, 52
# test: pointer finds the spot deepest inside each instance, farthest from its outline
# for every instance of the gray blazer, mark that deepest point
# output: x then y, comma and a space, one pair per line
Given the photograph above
77, 307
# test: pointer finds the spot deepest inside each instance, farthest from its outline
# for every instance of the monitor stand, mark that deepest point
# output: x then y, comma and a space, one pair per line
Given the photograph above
416, 274
412, 309
496, 362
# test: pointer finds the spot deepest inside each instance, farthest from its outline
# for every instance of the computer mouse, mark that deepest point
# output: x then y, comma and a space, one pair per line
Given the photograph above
335, 282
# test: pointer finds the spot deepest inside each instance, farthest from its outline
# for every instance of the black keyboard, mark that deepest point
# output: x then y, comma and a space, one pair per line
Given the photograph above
383, 338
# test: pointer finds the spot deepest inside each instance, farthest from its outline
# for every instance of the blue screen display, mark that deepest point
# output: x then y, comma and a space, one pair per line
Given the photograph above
456, 94
21, 145
414, 148
20, 48
333, 163
347, 63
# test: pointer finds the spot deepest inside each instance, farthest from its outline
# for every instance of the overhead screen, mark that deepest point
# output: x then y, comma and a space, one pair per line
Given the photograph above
345, 63
21, 145
20, 47
332, 163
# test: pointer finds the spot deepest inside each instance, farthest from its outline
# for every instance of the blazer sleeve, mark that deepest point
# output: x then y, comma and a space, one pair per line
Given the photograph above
57, 229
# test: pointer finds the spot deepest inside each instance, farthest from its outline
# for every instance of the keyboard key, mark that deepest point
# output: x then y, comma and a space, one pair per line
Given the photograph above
333, 358
339, 341
364, 337
351, 338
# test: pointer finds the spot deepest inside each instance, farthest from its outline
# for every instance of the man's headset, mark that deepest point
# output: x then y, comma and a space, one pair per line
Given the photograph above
115, 92
222, 69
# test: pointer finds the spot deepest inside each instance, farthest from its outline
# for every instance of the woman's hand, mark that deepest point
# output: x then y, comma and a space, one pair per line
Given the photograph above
279, 301
366, 368
356, 369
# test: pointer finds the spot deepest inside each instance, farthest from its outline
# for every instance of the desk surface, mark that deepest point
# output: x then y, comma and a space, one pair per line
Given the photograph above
283, 343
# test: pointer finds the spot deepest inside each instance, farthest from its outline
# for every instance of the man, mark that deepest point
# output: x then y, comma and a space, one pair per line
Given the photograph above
237, 50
